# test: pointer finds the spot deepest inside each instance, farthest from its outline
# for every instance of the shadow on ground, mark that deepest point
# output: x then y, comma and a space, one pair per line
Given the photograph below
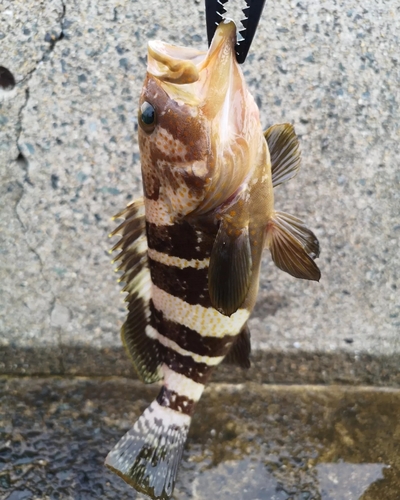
267, 366
247, 442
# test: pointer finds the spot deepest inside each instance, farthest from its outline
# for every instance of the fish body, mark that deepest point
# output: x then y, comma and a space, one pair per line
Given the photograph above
191, 249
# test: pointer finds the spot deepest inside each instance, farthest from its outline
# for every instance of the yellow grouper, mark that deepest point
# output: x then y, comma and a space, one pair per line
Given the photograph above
191, 248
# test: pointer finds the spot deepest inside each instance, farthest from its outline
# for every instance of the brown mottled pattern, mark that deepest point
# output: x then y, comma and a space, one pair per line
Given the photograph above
189, 339
175, 401
151, 182
178, 120
170, 175
179, 140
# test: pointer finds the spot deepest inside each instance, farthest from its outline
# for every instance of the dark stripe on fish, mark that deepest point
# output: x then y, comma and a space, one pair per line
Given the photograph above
189, 339
188, 284
175, 401
185, 365
180, 240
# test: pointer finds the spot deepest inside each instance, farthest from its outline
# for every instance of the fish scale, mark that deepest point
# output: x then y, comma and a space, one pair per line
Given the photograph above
190, 251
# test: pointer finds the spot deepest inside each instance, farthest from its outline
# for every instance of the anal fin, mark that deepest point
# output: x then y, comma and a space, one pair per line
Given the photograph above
239, 353
293, 246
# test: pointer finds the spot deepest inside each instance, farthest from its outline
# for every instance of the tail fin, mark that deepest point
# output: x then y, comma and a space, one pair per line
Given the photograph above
148, 456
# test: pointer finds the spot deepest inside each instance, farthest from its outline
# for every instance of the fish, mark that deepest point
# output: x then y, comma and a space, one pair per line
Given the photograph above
190, 249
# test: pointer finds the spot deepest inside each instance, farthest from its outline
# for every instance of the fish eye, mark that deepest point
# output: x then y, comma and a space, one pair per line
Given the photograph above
147, 117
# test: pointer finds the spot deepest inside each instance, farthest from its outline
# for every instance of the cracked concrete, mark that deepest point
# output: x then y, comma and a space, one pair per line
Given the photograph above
26, 294
70, 160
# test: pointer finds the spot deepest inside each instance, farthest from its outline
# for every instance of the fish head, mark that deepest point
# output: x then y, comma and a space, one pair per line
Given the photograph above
199, 127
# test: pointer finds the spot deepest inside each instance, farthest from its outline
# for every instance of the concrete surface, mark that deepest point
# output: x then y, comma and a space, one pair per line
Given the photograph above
69, 160
247, 442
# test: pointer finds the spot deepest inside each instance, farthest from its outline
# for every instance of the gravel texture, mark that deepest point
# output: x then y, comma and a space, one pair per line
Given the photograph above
247, 442
69, 160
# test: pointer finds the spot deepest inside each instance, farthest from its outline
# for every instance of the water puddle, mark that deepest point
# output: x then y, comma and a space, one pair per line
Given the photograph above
247, 442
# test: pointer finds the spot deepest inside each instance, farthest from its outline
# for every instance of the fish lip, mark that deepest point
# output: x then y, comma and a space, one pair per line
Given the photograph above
173, 64
183, 65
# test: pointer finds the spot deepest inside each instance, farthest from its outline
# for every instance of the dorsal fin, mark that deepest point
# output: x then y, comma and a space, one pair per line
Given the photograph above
285, 153
239, 353
142, 348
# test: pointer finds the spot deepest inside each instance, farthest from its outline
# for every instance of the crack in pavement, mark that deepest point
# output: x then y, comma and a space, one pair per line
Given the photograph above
52, 40
31, 248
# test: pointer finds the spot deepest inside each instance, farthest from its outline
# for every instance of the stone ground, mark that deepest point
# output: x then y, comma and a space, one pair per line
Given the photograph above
247, 442
69, 160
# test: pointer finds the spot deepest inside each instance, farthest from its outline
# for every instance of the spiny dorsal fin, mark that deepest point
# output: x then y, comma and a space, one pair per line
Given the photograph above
229, 273
132, 258
285, 153
134, 208
132, 244
293, 246
239, 353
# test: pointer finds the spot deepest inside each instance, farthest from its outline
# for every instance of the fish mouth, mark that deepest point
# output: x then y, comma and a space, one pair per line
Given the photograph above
191, 75
174, 64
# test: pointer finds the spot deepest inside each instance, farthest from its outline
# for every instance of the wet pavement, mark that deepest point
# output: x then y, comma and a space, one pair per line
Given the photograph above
247, 442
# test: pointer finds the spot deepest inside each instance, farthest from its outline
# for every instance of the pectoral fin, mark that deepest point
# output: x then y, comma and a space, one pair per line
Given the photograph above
285, 153
229, 273
239, 353
293, 246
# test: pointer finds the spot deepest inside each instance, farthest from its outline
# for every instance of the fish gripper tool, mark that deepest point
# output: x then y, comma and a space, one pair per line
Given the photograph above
215, 10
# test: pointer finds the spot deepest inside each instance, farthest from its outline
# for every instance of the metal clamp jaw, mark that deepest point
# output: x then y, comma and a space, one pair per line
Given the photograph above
215, 10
